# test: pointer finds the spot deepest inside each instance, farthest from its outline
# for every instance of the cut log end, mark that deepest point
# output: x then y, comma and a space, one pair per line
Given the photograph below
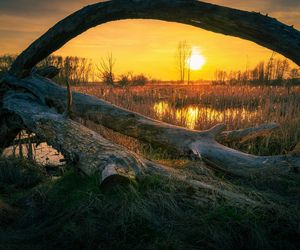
113, 176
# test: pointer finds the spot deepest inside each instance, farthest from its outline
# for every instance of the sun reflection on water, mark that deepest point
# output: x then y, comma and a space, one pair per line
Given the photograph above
161, 109
187, 116
191, 116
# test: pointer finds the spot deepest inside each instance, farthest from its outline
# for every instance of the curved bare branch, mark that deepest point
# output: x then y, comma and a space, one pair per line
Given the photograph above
263, 30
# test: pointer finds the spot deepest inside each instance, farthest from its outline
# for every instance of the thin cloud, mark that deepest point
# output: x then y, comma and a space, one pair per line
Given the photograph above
42, 7
31, 18
286, 11
270, 5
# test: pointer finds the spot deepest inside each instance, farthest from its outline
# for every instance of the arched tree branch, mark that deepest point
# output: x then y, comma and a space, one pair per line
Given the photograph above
263, 30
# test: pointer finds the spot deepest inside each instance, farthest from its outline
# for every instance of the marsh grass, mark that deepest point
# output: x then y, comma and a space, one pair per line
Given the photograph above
71, 212
202, 106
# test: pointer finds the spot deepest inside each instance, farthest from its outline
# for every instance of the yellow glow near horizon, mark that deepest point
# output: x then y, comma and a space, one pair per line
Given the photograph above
196, 61
152, 53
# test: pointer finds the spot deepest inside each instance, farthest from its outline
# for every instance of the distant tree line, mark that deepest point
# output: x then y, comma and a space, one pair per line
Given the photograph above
73, 69
79, 70
273, 72
107, 76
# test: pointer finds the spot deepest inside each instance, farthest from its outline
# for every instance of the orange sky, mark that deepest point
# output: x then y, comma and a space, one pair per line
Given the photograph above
146, 46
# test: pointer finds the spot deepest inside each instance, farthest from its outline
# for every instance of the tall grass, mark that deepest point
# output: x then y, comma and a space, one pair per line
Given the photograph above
202, 106
71, 212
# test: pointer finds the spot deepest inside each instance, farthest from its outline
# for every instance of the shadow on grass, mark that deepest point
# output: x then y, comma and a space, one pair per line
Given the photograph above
71, 212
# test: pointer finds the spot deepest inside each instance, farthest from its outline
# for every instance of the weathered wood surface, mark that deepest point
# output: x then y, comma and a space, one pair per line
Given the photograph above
92, 154
201, 144
88, 151
243, 135
37, 103
261, 29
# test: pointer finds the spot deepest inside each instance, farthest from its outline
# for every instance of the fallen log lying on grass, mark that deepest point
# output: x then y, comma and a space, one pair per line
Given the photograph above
36, 103
92, 154
86, 150
236, 136
185, 142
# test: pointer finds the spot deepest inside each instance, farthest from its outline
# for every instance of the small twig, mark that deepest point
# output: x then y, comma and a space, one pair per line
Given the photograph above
68, 112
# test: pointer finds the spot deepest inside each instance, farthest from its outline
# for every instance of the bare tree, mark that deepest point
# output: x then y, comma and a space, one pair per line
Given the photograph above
293, 78
269, 69
73, 69
220, 77
184, 51
106, 68
281, 70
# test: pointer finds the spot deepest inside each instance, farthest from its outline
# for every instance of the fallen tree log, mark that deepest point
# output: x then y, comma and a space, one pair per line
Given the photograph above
31, 97
236, 136
200, 144
88, 151
92, 154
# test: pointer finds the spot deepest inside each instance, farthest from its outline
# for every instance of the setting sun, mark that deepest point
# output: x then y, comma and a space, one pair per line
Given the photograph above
196, 60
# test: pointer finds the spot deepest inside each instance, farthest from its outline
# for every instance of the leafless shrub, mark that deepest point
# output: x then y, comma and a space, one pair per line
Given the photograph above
106, 68
139, 79
184, 51
125, 79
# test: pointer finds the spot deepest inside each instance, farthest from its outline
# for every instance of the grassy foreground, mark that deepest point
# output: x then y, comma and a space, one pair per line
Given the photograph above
64, 210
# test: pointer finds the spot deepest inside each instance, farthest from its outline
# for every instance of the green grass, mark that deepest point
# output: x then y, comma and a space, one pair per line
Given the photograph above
72, 212
19, 174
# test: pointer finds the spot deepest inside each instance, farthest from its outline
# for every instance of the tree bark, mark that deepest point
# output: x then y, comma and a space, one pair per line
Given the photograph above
243, 135
88, 151
200, 144
37, 103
